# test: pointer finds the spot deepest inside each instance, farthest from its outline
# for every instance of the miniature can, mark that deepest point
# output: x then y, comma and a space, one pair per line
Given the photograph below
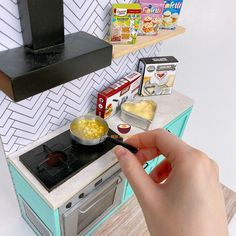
171, 14
151, 16
158, 75
125, 22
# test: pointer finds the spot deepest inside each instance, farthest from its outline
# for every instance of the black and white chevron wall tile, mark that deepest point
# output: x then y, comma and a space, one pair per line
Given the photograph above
86, 15
24, 122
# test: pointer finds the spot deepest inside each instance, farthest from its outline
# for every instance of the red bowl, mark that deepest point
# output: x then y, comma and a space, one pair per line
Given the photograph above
123, 128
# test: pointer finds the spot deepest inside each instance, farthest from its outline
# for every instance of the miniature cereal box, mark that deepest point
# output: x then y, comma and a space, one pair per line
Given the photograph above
110, 99
158, 75
125, 21
151, 16
171, 13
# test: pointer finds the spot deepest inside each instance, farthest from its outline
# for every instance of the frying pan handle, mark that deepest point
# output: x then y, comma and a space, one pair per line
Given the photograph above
126, 145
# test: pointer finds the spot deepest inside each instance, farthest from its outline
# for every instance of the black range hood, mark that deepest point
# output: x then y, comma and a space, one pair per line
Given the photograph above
48, 58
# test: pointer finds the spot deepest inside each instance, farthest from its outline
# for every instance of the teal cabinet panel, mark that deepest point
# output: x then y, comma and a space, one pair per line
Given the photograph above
156, 161
152, 164
178, 125
159, 160
148, 167
48, 216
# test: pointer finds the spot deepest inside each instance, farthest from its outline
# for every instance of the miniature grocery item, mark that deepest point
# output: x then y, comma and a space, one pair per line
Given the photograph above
125, 22
171, 13
110, 99
158, 75
139, 113
151, 16
123, 128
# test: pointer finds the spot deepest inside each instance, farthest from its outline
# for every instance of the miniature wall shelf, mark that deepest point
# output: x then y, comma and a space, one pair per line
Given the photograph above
145, 41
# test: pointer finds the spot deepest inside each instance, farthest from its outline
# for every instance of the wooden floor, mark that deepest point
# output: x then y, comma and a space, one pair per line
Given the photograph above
129, 220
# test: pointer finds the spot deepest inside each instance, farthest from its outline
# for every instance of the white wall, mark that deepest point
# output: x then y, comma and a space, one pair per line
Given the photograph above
207, 73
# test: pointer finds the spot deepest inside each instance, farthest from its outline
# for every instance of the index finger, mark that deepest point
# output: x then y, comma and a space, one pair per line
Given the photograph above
166, 143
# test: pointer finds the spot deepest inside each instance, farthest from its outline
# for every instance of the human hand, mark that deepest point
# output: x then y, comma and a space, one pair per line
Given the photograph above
190, 202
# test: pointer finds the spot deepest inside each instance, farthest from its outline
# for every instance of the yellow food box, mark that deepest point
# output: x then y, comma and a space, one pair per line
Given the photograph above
125, 22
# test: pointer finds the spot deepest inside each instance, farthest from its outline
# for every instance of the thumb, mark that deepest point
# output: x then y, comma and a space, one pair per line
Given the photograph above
144, 187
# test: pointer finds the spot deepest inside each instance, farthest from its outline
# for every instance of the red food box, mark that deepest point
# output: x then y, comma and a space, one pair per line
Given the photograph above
110, 99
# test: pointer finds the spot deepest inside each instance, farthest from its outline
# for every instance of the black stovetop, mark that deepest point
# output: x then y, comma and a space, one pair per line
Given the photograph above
58, 159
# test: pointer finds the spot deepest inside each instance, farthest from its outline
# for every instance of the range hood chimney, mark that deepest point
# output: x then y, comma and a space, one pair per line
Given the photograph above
48, 58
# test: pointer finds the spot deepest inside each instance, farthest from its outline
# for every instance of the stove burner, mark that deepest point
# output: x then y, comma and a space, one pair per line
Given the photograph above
56, 158
60, 158
54, 161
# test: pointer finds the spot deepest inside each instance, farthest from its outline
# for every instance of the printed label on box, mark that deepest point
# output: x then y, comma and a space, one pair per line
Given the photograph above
110, 99
158, 75
125, 21
171, 14
151, 16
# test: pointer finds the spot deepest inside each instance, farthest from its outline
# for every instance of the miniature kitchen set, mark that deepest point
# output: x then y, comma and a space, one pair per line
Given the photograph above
66, 186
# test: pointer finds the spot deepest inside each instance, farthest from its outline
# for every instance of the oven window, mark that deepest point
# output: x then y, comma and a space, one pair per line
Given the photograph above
93, 209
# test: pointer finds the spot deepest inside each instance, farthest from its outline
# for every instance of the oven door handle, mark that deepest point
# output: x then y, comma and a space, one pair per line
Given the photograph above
111, 187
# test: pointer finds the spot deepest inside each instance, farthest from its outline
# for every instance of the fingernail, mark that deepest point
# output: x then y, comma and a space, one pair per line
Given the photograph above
120, 151
122, 156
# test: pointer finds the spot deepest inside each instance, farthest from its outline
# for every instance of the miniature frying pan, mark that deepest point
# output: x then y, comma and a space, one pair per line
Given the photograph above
78, 137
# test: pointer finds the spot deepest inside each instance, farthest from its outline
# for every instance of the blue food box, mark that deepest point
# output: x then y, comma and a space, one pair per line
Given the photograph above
171, 13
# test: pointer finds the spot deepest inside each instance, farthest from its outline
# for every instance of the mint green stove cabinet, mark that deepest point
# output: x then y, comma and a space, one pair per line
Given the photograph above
176, 127
43, 220
81, 214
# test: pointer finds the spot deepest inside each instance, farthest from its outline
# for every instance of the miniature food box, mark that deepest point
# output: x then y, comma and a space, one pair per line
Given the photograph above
171, 13
125, 22
110, 99
151, 16
158, 75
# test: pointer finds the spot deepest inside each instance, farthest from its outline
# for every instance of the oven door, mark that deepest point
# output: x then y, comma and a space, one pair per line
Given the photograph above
85, 214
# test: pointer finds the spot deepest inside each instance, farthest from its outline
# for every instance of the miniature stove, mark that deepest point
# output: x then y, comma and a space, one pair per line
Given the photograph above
58, 159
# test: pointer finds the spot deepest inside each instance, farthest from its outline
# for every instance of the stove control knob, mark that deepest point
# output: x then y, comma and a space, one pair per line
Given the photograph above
69, 205
81, 195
